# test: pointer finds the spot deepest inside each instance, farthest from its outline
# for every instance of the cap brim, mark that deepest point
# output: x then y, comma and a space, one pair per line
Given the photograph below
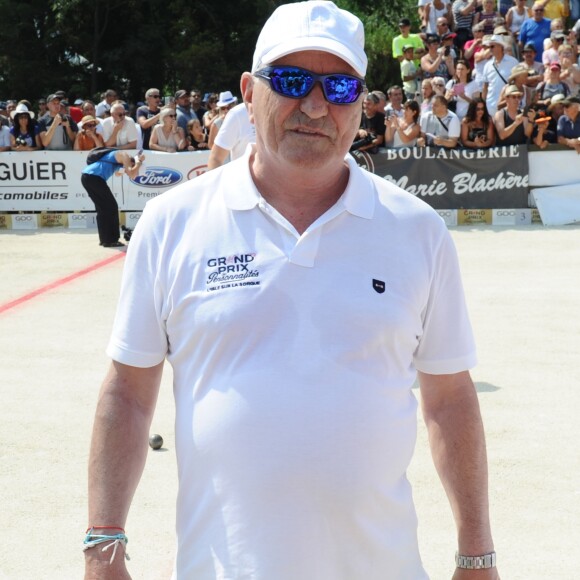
323, 44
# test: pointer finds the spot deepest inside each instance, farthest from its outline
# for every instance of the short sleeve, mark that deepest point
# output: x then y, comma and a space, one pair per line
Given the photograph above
139, 334
446, 345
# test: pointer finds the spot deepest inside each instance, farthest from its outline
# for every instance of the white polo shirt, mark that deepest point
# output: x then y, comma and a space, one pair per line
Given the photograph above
236, 132
294, 357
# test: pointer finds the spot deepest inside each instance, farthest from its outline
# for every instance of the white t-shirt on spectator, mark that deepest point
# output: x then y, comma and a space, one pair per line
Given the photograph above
236, 132
127, 134
431, 125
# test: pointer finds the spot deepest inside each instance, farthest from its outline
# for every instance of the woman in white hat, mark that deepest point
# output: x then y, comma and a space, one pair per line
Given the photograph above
226, 102
23, 133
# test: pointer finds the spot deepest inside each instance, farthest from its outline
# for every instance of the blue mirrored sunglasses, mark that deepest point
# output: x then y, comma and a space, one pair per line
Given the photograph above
296, 83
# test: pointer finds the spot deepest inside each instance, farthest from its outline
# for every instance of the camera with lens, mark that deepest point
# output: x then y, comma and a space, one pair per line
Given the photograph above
127, 233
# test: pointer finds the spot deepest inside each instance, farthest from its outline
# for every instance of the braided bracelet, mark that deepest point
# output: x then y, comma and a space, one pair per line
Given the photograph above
92, 540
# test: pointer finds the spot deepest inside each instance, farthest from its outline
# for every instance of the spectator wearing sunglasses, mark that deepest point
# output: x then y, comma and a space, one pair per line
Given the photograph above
24, 132
148, 115
438, 60
87, 138
167, 135
297, 297
119, 130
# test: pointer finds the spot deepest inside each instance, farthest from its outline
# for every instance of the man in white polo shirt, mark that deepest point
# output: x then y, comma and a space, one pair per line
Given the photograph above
296, 296
440, 126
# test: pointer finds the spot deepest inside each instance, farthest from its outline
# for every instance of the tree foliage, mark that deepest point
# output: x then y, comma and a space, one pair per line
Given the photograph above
85, 47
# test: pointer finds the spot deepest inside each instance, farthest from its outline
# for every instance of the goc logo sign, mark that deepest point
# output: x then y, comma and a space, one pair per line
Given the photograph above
158, 177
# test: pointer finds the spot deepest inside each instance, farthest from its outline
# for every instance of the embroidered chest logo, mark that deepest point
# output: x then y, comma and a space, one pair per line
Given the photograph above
379, 286
232, 272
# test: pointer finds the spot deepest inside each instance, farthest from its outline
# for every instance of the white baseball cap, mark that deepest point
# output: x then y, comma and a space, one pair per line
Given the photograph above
314, 25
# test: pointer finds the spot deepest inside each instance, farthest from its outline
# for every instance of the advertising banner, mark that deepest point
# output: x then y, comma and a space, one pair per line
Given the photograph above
456, 178
51, 180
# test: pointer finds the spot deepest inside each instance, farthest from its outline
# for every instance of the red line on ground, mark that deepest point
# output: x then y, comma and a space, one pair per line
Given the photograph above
60, 282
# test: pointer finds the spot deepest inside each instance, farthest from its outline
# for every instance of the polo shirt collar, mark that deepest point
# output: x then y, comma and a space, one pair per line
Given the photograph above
358, 198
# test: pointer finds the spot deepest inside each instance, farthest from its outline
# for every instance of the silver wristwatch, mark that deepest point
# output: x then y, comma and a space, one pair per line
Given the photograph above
475, 562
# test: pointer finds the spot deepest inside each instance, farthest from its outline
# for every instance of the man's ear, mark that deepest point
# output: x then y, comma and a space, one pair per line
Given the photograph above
247, 89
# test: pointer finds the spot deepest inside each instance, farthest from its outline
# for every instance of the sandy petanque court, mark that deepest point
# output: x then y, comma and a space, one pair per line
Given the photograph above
58, 292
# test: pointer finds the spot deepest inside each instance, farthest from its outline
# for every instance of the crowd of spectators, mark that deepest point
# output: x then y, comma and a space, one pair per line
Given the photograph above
481, 73
185, 121
477, 73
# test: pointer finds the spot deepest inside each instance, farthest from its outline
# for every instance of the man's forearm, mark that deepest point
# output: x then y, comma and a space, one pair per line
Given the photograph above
119, 445
458, 447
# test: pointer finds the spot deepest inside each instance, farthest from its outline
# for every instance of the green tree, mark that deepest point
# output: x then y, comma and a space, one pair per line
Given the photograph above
85, 47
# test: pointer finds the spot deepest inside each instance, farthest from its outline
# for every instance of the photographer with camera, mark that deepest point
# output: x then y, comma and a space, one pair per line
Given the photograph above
57, 131
512, 125
438, 61
371, 134
23, 133
477, 128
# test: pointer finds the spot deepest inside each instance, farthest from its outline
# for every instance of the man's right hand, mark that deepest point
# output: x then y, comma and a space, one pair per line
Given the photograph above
98, 566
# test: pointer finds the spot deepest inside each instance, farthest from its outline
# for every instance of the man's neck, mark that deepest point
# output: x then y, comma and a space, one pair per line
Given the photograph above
310, 195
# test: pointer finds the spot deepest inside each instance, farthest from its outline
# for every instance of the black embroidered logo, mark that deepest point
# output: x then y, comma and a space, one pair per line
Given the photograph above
379, 286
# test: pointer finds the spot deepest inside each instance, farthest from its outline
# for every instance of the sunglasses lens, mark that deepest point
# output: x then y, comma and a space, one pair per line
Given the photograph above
293, 83
342, 89
296, 83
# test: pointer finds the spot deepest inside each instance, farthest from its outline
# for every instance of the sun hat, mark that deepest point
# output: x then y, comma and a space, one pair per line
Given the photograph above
530, 46
315, 25
497, 39
180, 94
512, 90
21, 110
53, 97
88, 119
556, 100
226, 98
407, 47
518, 70
572, 100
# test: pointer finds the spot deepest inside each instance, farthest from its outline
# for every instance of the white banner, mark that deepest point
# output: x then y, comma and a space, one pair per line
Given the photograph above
51, 180
553, 167
558, 206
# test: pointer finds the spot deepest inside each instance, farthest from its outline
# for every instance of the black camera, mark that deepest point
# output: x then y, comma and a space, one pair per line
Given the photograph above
127, 233
447, 51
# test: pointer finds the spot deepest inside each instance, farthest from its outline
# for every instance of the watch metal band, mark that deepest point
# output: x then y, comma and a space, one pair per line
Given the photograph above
475, 562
